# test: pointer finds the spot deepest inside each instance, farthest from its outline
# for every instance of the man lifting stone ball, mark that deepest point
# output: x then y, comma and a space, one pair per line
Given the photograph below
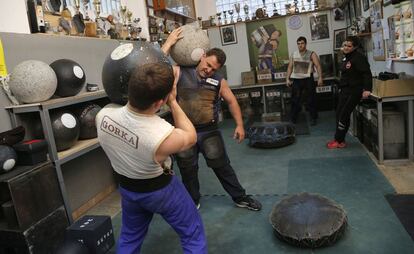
199, 93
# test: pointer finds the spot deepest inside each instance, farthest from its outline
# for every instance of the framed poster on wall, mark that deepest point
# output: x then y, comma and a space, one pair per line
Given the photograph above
319, 26
228, 35
378, 47
339, 38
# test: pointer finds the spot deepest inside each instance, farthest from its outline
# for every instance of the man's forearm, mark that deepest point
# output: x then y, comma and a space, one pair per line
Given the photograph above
236, 113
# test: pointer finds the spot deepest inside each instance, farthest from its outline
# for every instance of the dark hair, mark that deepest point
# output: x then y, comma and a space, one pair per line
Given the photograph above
219, 53
150, 83
355, 41
301, 38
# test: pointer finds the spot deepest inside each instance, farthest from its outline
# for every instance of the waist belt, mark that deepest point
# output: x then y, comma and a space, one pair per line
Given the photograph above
143, 185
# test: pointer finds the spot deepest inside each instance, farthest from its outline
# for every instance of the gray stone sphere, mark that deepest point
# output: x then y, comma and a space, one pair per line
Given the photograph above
188, 50
32, 81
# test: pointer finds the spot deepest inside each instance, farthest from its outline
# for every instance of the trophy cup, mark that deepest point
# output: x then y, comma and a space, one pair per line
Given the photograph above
129, 16
237, 7
218, 14
303, 6
310, 5
78, 19
295, 3
246, 12
86, 7
90, 26
316, 5
123, 14
225, 17
264, 9
97, 5
275, 13
231, 16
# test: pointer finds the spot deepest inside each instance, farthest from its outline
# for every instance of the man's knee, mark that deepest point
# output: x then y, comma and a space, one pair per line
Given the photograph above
186, 159
214, 151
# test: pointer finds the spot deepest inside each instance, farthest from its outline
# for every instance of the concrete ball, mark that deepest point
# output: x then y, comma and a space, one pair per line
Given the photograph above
188, 50
32, 81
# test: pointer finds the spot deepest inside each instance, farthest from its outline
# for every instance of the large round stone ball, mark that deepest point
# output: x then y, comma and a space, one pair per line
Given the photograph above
8, 158
70, 77
188, 50
32, 81
120, 64
66, 128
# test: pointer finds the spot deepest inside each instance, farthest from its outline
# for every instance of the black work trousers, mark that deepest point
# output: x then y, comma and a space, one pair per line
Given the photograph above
211, 145
300, 87
347, 100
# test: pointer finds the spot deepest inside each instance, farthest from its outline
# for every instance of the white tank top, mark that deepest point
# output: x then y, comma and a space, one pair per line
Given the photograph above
130, 140
302, 65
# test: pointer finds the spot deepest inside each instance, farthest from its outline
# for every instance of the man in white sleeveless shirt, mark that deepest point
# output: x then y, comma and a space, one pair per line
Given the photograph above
300, 77
139, 144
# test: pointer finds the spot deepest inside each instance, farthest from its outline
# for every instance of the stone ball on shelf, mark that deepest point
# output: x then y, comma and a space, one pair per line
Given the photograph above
70, 77
32, 81
86, 115
188, 50
66, 129
8, 158
120, 64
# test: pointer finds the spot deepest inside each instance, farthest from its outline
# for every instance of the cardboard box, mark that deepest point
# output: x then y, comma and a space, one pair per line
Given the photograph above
393, 87
264, 76
248, 78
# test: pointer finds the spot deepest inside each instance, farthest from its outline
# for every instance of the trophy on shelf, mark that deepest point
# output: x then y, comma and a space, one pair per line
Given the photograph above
231, 15
97, 5
315, 5
129, 16
218, 14
237, 7
264, 9
123, 14
303, 6
86, 7
275, 13
295, 3
310, 5
78, 19
225, 17
246, 12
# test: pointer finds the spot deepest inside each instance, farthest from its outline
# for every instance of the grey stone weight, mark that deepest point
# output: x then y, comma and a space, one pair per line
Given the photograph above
188, 50
32, 81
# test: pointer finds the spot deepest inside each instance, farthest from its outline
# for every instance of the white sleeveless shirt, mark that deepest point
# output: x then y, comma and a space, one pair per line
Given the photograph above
302, 65
130, 140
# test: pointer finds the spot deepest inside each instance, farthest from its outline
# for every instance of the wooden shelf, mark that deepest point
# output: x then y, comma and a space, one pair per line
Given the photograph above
81, 147
363, 34
58, 102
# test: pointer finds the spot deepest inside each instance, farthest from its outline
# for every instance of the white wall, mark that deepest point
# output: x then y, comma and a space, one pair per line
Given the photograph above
13, 16
237, 54
205, 8
139, 10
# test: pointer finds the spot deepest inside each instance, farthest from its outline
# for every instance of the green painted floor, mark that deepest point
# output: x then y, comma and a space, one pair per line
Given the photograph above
347, 176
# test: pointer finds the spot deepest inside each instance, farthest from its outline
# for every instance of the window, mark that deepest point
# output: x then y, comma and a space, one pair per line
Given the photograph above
107, 6
226, 5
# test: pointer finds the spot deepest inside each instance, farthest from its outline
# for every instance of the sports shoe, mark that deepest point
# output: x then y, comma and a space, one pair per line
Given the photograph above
248, 202
335, 144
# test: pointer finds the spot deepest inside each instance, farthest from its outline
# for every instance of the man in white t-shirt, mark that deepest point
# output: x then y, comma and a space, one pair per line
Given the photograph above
139, 144
300, 77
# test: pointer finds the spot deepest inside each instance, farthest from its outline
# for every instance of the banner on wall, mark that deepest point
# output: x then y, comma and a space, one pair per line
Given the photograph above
268, 48
3, 68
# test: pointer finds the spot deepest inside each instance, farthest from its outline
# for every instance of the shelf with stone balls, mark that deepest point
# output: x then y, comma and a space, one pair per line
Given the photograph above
81, 146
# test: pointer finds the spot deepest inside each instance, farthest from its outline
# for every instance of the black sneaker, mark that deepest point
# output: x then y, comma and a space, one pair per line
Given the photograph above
249, 203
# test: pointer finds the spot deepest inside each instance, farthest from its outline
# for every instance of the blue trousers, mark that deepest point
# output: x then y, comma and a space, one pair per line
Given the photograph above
177, 208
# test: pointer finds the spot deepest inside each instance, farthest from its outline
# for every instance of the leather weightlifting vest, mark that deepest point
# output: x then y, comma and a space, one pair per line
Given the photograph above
199, 97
